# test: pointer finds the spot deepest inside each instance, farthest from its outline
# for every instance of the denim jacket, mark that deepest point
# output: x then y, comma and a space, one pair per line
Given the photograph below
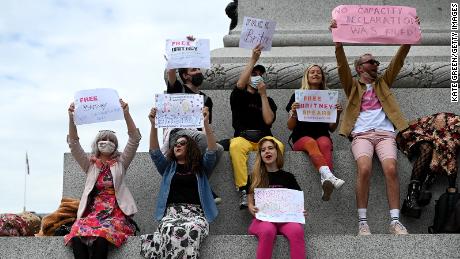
167, 169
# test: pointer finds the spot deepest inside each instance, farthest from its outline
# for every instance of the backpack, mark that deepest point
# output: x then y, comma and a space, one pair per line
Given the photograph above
447, 214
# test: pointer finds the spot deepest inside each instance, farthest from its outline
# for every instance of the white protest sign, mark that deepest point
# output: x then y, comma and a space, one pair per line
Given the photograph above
97, 105
257, 31
179, 110
279, 205
184, 53
317, 105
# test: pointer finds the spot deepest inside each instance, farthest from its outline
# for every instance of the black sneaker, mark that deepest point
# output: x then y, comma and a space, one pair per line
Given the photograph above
243, 199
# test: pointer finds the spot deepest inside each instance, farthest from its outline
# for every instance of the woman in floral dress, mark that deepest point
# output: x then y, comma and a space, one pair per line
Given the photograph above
433, 142
185, 204
106, 207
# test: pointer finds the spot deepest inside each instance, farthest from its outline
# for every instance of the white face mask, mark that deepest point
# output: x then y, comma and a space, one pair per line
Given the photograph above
106, 147
255, 80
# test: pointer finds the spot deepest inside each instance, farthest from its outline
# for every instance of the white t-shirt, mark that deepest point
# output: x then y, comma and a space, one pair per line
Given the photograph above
372, 116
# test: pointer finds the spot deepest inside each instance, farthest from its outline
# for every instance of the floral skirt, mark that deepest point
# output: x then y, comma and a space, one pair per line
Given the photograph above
442, 131
105, 219
180, 233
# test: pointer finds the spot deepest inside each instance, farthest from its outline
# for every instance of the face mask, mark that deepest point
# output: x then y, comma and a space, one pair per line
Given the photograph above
197, 79
255, 80
106, 147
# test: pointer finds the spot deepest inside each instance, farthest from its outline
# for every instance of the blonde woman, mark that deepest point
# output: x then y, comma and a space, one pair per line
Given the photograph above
314, 137
268, 173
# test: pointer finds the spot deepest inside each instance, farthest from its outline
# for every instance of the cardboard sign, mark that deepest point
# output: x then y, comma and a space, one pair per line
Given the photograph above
317, 105
179, 110
257, 31
184, 53
376, 24
97, 105
279, 205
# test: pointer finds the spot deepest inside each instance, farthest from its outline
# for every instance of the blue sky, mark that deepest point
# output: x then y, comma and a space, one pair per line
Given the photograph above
51, 49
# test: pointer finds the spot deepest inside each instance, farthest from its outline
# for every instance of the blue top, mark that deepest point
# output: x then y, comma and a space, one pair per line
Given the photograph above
167, 169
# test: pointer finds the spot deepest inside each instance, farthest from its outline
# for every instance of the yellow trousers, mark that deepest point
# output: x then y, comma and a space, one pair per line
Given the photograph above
239, 149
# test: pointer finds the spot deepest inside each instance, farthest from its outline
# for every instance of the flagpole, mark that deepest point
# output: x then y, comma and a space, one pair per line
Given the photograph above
25, 181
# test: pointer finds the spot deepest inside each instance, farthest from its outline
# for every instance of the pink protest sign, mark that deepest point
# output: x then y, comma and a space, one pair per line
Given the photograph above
376, 24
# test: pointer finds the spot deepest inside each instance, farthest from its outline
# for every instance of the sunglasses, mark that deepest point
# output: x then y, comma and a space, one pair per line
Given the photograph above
371, 61
180, 143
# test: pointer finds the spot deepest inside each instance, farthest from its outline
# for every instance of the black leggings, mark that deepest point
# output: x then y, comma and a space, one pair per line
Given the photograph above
99, 248
422, 164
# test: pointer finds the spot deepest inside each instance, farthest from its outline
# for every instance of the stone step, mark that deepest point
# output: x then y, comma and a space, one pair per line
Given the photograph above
230, 246
414, 103
338, 216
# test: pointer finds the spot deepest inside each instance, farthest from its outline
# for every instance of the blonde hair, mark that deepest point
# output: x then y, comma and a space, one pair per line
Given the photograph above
105, 134
259, 177
306, 85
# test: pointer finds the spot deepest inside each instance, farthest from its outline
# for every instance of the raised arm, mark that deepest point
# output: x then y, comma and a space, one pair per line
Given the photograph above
346, 78
209, 133
171, 77
267, 113
74, 144
134, 137
245, 76
153, 130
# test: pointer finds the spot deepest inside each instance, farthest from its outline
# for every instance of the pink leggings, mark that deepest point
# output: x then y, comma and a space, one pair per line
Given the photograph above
266, 233
319, 150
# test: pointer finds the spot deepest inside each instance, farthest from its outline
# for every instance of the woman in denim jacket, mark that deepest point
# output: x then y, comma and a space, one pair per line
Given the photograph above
185, 204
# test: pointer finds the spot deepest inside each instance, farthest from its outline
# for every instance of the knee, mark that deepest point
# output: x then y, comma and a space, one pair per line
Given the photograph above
324, 142
390, 171
294, 231
364, 171
267, 231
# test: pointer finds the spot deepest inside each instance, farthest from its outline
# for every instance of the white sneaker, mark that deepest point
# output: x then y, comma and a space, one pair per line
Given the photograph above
398, 228
364, 229
336, 181
327, 188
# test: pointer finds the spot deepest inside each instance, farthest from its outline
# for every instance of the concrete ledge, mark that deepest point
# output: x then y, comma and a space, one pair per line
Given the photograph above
338, 216
230, 246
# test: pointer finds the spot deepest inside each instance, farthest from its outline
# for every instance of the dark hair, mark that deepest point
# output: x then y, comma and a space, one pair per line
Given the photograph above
259, 68
193, 157
182, 71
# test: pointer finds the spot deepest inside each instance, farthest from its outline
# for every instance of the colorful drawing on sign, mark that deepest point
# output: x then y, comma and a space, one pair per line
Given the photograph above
179, 110
186, 53
97, 105
376, 24
317, 105
279, 205
257, 31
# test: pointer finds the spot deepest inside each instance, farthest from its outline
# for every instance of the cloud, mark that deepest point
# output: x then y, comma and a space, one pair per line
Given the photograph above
51, 49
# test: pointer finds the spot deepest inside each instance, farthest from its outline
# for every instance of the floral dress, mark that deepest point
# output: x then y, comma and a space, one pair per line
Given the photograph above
442, 130
102, 217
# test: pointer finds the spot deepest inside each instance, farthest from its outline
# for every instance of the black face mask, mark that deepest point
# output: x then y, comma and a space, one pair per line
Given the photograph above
197, 79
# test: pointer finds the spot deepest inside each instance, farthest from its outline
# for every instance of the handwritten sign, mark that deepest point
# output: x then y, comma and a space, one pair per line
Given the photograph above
184, 53
376, 24
97, 105
257, 31
317, 105
179, 110
279, 205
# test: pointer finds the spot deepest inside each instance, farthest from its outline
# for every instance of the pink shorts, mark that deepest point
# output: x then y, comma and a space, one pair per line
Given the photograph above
383, 142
